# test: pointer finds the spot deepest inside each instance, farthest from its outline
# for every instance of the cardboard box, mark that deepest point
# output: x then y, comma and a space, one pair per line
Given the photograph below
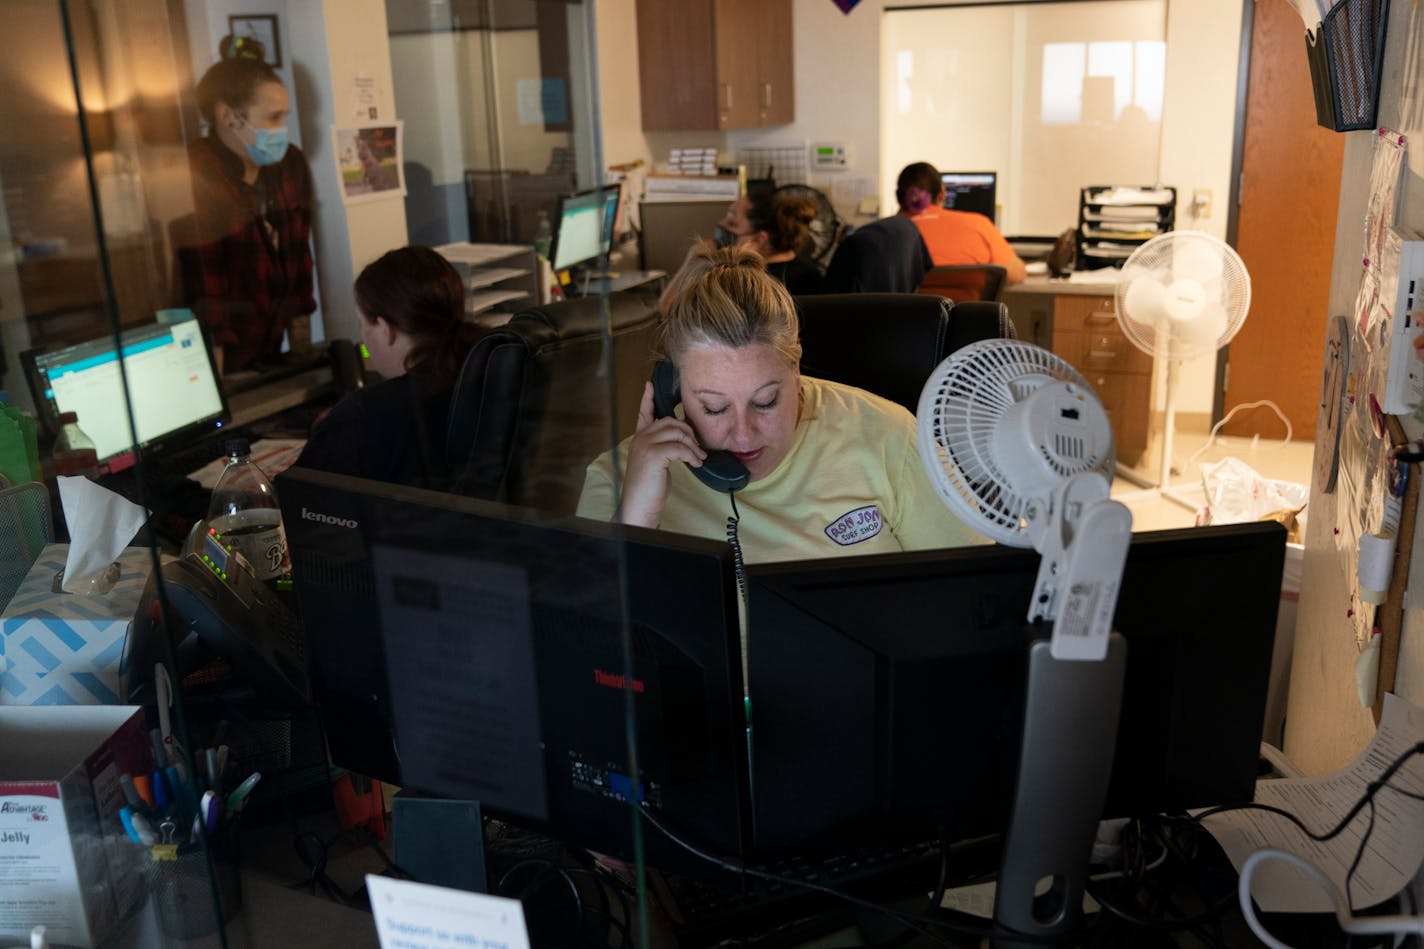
63, 649
63, 853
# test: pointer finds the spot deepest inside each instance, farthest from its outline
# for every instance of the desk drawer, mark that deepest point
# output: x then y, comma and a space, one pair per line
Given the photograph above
1093, 314
1127, 398
1101, 351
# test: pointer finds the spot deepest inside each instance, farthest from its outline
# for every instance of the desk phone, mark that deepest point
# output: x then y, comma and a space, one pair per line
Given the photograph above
224, 610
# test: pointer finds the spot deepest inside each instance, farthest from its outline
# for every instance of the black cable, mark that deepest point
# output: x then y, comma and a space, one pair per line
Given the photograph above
910, 920
736, 543
1371, 789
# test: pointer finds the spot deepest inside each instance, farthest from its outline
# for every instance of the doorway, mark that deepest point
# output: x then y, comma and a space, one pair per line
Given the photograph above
1286, 211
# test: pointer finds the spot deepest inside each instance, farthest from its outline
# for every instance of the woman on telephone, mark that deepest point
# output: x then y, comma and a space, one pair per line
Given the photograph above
830, 469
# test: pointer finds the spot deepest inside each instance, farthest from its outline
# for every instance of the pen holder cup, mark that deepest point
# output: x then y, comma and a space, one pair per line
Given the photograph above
183, 896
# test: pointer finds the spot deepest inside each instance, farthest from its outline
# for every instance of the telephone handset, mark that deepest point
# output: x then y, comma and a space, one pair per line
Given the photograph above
720, 470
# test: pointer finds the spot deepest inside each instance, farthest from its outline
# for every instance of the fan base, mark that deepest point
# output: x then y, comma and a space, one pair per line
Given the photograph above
1152, 494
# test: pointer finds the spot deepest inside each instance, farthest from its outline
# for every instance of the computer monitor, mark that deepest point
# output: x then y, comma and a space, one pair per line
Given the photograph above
970, 191
585, 227
171, 381
887, 692
439, 695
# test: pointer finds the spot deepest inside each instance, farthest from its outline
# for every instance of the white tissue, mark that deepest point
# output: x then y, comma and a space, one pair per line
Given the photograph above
101, 524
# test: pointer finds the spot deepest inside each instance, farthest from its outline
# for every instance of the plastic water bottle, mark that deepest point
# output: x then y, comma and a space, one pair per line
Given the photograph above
544, 236
74, 451
244, 511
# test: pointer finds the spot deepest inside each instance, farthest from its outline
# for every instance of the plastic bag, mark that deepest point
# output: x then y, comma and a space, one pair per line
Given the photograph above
1235, 492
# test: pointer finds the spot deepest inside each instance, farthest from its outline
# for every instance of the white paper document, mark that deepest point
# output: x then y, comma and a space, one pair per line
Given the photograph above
419, 916
1395, 846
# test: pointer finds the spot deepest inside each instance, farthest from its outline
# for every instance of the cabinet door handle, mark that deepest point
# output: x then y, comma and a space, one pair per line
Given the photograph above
727, 95
1101, 354
1097, 316
766, 95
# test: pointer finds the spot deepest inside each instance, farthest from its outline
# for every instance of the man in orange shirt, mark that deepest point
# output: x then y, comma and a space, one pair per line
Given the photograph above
953, 237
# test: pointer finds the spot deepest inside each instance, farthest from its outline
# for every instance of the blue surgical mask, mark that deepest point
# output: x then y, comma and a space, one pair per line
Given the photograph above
268, 146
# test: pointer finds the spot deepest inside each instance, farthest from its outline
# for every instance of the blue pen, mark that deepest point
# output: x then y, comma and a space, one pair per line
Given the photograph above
180, 791
212, 811
126, 815
162, 793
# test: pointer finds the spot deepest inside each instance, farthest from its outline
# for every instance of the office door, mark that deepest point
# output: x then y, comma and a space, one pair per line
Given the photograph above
1290, 187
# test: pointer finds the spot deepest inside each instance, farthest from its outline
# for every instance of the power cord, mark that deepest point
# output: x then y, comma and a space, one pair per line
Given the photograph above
1211, 436
1348, 922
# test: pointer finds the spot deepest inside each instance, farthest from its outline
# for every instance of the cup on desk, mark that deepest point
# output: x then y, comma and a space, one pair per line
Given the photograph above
181, 895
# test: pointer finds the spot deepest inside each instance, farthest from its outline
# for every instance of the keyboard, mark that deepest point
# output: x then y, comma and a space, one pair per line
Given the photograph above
704, 913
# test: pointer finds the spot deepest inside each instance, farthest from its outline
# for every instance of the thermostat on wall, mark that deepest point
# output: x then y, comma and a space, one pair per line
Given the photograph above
830, 156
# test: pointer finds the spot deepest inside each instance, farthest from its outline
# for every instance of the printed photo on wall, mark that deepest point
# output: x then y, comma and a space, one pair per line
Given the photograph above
368, 161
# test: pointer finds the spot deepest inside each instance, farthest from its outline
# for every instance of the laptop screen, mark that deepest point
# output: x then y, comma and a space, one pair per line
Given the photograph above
171, 383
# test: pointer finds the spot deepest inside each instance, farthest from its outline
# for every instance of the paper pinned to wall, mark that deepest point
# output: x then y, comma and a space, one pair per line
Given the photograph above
542, 101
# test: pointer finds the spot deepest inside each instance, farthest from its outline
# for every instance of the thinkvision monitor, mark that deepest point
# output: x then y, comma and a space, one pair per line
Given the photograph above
171, 382
475, 651
585, 228
970, 191
887, 692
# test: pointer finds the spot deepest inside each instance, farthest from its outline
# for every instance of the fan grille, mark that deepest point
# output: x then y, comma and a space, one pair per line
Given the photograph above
1165, 260
960, 412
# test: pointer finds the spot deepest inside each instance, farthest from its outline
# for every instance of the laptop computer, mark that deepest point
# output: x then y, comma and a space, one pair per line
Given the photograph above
172, 385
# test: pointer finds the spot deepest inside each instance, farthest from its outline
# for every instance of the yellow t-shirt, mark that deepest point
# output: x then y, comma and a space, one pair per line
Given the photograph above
852, 483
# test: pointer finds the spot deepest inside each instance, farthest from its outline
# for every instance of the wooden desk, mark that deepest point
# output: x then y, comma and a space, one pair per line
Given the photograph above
1078, 321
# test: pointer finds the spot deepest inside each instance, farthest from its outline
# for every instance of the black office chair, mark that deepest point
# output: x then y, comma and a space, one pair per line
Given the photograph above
890, 343
964, 282
532, 405
884, 256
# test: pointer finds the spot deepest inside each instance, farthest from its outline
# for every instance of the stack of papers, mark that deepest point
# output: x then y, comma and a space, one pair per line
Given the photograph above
693, 161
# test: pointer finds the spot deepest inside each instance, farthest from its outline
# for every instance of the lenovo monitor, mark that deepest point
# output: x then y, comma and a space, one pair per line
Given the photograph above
475, 651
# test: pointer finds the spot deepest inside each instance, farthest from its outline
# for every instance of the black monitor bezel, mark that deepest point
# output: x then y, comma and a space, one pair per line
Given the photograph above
993, 188
340, 645
606, 228
49, 418
869, 761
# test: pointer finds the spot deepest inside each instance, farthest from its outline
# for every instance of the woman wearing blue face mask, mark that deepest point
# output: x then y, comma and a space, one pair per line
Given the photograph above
245, 265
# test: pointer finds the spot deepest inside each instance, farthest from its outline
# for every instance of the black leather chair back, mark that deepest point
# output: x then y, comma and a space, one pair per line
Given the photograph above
539, 398
890, 343
884, 256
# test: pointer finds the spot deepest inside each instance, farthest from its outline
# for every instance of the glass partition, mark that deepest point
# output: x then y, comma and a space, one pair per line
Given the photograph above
276, 261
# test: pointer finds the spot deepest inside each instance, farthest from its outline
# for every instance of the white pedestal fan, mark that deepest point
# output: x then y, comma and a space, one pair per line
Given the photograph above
1181, 295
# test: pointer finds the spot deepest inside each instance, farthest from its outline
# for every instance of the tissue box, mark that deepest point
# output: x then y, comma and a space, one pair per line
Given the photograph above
65, 857
63, 649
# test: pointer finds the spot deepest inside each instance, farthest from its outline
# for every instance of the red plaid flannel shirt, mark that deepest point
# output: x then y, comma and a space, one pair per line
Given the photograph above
246, 266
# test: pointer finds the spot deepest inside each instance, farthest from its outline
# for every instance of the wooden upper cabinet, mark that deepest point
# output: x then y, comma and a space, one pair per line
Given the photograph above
715, 64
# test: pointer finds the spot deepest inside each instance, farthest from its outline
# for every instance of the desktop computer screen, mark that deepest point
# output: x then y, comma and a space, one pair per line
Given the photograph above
887, 692
585, 227
473, 650
970, 191
171, 382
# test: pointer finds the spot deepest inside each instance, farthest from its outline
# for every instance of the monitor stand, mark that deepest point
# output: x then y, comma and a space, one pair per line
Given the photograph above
1065, 762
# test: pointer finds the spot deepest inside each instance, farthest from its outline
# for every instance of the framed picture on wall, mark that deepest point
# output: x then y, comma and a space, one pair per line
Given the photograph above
261, 27
369, 161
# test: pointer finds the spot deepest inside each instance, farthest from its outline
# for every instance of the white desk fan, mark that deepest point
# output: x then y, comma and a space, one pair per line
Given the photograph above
1018, 446
1181, 295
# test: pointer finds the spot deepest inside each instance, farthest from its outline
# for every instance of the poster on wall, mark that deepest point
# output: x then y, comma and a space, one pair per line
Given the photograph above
369, 161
